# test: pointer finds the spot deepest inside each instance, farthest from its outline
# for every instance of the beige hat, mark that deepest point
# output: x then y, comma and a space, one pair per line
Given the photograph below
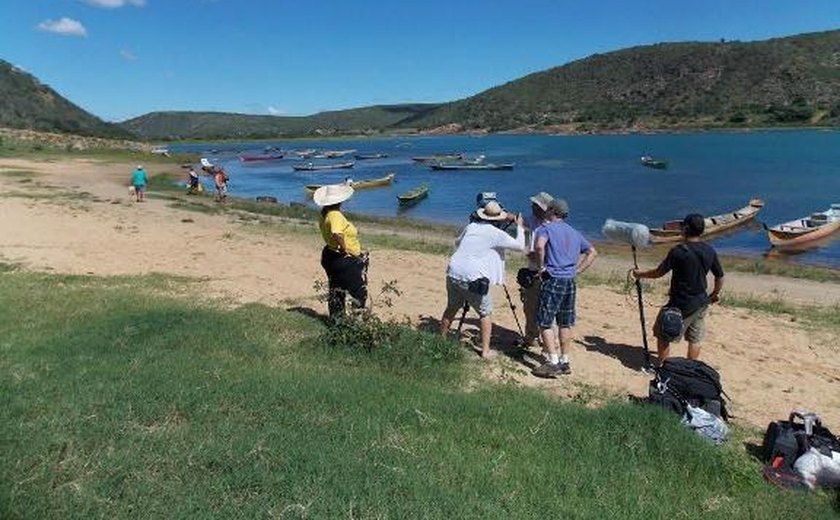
491, 211
332, 194
542, 199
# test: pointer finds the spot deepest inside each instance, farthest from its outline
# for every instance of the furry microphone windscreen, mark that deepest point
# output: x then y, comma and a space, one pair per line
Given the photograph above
636, 235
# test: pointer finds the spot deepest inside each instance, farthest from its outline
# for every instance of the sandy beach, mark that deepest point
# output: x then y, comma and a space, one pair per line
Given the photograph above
75, 216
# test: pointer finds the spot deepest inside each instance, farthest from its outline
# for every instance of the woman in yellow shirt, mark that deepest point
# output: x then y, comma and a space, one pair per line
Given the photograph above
342, 257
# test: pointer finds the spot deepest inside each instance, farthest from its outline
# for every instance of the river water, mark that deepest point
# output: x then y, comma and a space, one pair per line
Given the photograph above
795, 172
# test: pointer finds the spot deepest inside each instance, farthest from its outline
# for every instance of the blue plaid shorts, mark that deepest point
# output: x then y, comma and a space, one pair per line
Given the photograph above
557, 302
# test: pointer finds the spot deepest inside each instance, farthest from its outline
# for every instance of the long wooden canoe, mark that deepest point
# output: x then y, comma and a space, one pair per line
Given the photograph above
310, 167
261, 157
471, 166
413, 196
671, 231
362, 184
806, 229
443, 157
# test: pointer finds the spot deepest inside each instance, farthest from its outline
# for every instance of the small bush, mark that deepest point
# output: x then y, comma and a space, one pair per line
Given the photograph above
391, 344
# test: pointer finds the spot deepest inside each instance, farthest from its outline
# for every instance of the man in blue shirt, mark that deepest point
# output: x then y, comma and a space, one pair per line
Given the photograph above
562, 254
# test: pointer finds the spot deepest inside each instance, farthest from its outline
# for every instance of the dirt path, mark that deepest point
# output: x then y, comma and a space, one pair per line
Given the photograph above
769, 364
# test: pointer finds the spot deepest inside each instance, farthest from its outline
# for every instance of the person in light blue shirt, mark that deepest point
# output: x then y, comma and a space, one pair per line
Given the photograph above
562, 253
139, 180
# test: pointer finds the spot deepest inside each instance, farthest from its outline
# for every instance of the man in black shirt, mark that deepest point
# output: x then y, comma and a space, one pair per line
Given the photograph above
690, 262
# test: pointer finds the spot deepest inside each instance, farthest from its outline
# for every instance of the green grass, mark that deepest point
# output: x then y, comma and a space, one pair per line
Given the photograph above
821, 317
118, 401
17, 173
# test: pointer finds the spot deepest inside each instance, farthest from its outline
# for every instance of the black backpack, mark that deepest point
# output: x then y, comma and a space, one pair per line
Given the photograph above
681, 381
786, 441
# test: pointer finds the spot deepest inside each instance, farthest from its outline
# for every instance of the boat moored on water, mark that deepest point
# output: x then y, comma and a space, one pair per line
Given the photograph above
471, 166
261, 157
368, 156
361, 184
806, 229
656, 164
310, 167
671, 231
438, 158
413, 196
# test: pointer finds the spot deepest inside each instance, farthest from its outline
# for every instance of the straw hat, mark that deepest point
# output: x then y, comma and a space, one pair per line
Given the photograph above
491, 211
332, 194
542, 200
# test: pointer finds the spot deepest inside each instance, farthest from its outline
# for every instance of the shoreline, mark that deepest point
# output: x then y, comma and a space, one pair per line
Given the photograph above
74, 217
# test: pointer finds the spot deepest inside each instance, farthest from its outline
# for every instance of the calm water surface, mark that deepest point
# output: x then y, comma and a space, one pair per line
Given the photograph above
795, 172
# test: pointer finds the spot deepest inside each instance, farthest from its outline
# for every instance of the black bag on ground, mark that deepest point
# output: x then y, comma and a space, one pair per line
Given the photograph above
681, 381
786, 441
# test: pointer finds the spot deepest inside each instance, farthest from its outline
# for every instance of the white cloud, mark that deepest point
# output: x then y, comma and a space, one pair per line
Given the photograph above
275, 111
113, 4
65, 26
127, 55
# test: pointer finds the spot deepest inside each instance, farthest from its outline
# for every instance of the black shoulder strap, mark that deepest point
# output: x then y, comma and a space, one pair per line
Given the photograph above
696, 255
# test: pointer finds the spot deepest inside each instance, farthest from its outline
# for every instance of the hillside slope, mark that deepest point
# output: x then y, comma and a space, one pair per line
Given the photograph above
793, 80
209, 125
29, 104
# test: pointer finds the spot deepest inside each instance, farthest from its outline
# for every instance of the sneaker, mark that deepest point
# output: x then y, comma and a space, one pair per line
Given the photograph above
552, 371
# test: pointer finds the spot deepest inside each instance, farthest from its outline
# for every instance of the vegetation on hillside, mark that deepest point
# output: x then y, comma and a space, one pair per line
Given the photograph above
785, 81
29, 104
216, 125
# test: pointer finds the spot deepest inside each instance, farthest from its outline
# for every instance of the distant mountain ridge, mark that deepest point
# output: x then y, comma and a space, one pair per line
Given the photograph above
220, 125
791, 81
29, 104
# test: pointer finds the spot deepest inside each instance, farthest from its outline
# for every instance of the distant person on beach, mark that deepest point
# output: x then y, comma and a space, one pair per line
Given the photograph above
194, 183
478, 263
690, 262
221, 179
342, 257
562, 254
139, 180
529, 281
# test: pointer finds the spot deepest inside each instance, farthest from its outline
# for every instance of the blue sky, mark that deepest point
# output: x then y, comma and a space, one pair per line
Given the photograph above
123, 58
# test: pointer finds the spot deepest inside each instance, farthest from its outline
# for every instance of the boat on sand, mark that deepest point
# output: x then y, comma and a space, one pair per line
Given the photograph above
671, 231
805, 229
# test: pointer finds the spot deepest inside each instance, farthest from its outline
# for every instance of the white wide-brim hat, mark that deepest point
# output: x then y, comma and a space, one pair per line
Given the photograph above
491, 211
332, 194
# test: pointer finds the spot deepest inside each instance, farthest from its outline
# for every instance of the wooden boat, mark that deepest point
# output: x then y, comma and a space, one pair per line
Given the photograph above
444, 157
310, 167
471, 166
672, 230
805, 229
367, 156
650, 162
413, 196
362, 184
260, 157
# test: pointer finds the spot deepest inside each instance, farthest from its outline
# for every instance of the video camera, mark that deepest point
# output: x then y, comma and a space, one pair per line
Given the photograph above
484, 197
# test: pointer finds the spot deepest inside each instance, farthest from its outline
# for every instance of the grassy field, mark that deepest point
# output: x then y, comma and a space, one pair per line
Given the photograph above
120, 399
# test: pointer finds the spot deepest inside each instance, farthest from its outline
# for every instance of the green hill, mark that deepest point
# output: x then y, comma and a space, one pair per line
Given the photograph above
212, 125
29, 104
793, 80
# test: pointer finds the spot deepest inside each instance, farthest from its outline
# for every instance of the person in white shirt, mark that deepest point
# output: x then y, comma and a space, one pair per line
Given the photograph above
478, 262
